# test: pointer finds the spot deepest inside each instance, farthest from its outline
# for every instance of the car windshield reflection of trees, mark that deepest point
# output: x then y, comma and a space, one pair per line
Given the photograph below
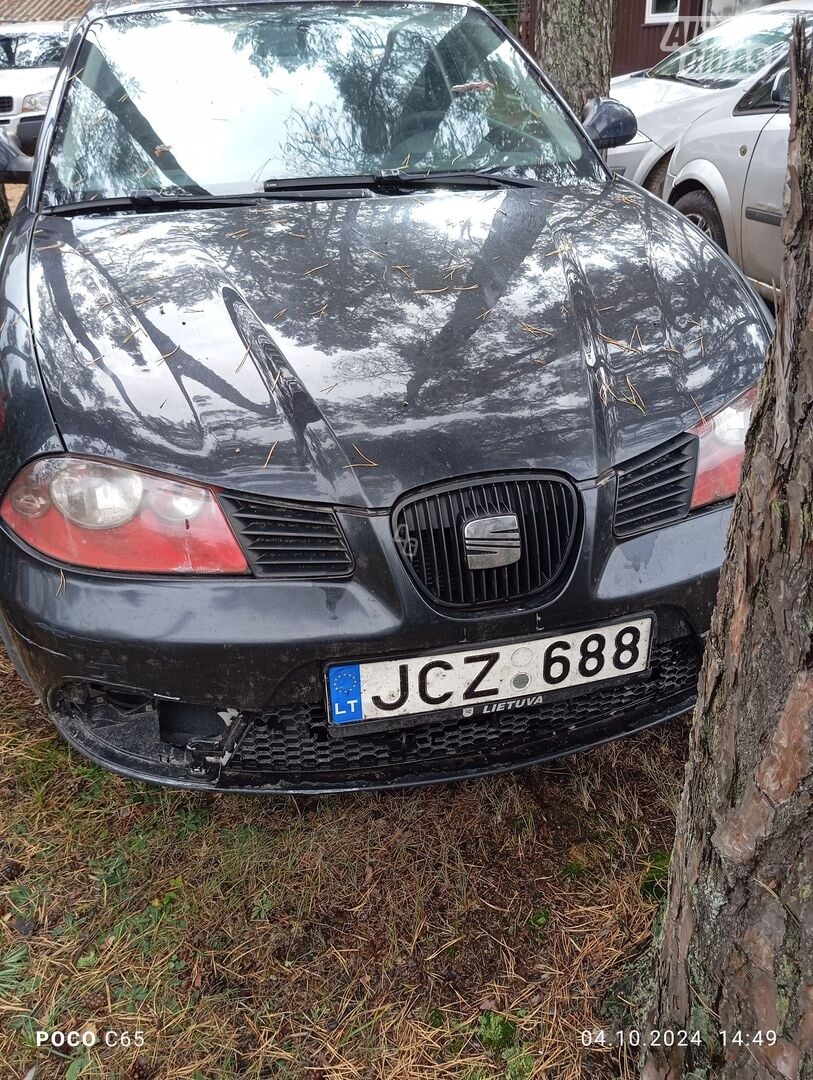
341, 93
727, 55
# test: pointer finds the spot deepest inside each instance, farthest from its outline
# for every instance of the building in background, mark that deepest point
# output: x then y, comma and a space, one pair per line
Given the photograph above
648, 29
42, 10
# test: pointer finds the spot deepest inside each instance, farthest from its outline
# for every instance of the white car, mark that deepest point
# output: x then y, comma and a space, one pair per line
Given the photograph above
712, 73
30, 55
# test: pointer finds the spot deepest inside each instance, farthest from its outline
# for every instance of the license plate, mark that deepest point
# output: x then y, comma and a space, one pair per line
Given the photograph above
488, 678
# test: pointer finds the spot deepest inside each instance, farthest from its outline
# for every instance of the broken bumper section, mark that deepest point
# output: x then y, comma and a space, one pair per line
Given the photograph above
293, 748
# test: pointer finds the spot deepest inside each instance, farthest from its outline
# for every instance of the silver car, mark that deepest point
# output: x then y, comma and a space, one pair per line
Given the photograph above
30, 55
727, 175
708, 77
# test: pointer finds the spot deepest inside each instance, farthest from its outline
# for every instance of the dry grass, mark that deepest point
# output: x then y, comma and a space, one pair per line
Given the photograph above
466, 931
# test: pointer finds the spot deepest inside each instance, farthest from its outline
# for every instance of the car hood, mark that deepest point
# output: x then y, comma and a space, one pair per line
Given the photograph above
349, 350
665, 108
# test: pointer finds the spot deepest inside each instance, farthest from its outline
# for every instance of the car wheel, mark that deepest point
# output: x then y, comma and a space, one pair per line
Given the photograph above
656, 179
701, 210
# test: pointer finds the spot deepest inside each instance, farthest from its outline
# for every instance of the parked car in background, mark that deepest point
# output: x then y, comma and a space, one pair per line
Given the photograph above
360, 428
713, 72
727, 175
30, 55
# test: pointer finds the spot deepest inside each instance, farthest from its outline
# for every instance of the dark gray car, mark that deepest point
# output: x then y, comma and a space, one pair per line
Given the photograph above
359, 429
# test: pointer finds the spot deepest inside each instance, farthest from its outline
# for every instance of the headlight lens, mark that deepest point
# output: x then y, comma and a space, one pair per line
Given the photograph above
106, 516
96, 495
176, 502
36, 102
721, 450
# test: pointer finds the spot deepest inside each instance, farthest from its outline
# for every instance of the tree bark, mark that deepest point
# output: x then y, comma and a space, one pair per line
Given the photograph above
737, 946
574, 43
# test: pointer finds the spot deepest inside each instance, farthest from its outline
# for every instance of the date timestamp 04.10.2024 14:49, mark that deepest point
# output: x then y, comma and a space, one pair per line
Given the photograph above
636, 1037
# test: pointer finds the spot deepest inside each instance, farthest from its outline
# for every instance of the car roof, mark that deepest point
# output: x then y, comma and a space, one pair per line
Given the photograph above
122, 7
785, 5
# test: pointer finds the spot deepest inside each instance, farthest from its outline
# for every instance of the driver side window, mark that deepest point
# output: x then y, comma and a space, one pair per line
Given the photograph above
768, 95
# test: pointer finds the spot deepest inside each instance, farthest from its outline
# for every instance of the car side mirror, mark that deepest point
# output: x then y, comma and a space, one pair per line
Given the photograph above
780, 90
15, 166
608, 122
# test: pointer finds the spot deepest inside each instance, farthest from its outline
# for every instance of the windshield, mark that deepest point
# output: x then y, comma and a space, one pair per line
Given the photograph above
218, 100
31, 50
731, 52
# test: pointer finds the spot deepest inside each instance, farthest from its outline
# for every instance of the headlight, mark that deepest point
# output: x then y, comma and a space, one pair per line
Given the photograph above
721, 450
95, 495
36, 102
109, 517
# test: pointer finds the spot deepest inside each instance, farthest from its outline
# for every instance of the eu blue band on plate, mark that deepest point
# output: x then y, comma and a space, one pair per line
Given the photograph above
345, 694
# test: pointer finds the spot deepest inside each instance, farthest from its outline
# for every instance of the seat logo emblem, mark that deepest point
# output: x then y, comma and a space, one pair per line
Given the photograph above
492, 541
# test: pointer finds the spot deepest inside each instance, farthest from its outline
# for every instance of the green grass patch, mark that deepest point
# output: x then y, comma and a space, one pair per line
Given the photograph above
656, 877
540, 919
496, 1032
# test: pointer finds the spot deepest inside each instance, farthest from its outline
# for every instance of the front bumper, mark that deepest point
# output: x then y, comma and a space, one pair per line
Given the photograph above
117, 660
635, 161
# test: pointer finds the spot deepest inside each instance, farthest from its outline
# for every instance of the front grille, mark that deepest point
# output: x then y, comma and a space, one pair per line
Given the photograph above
6, 104
429, 534
288, 540
294, 741
655, 488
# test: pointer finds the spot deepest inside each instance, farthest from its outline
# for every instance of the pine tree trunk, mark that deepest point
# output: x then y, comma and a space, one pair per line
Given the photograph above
737, 948
574, 43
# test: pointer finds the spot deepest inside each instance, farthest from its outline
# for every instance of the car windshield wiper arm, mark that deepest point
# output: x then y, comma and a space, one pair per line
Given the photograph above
150, 199
304, 187
679, 78
469, 178
394, 179
147, 199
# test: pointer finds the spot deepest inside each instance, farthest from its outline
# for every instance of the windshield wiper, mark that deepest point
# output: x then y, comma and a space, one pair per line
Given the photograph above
678, 78
151, 200
301, 188
395, 179
148, 199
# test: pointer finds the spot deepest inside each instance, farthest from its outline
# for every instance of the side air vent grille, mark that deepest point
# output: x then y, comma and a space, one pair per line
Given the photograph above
6, 104
655, 489
286, 540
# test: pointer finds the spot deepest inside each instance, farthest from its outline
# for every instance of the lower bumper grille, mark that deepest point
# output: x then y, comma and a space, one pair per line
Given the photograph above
294, 744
